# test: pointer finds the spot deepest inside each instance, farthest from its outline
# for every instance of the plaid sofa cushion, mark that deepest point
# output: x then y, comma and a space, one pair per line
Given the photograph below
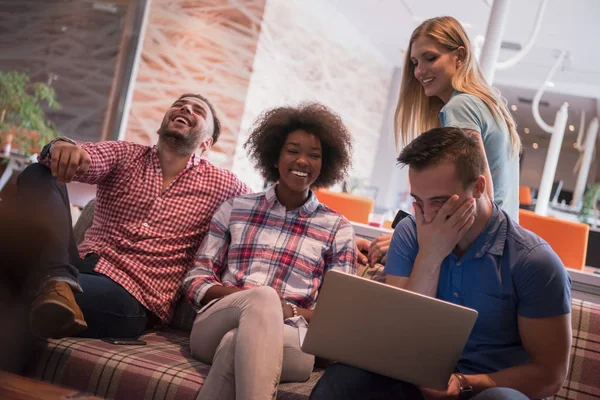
583, 379
161, 370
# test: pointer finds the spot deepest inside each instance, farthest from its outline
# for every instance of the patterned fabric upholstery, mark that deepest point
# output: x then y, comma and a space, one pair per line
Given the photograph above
164, 369
583, 380
161, 370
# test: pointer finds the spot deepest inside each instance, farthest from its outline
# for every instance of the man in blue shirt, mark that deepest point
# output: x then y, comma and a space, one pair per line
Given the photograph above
462, 248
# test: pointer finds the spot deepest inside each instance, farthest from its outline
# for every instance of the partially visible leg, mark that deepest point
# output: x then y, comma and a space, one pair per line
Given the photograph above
257, 315
297, 365
109, 309
500, 394
220, 382
45, 204
342, 381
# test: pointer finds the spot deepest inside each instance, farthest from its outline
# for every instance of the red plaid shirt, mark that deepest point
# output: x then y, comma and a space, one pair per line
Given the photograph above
146, 237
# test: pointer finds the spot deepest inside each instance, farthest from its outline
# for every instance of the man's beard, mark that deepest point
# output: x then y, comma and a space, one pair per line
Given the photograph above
182, 143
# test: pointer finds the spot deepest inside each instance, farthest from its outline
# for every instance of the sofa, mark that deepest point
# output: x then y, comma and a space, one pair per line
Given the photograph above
164, 369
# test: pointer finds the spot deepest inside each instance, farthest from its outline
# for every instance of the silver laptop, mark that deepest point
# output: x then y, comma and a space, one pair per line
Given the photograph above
390, 331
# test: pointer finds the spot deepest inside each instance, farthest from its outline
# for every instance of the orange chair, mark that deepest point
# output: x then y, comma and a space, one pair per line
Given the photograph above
568, 239
524, 195
355, 208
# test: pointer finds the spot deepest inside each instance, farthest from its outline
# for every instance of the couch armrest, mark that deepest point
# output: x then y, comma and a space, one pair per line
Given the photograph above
84, 221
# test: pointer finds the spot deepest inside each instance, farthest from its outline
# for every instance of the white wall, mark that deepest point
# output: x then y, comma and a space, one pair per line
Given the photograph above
309, 51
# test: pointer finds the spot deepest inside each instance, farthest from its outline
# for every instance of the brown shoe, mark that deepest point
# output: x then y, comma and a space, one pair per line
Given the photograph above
55, 313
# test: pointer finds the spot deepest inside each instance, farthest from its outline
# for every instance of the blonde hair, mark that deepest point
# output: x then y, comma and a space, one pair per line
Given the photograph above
417, 113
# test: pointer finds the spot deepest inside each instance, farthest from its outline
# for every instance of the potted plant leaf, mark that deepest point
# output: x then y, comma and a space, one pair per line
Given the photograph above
589, 210
24, 128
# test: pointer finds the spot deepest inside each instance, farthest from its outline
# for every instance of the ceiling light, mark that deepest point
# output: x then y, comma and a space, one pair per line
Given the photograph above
527, 130
535, 146
549, 84
575, 145
513, 107
572, 128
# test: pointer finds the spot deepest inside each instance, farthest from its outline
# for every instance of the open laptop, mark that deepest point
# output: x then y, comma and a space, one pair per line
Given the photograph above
390, 331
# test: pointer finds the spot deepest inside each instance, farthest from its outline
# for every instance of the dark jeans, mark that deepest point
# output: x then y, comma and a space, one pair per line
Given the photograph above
342, 381
349, 383
109, 310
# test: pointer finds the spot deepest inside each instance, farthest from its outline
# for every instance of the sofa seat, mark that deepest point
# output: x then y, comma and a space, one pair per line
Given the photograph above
162, 369
583, 378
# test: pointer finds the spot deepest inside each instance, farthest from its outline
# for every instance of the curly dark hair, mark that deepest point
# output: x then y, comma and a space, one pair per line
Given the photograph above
272, 128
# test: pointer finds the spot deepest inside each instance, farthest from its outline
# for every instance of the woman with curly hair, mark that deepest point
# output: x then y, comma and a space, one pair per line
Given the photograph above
259, 270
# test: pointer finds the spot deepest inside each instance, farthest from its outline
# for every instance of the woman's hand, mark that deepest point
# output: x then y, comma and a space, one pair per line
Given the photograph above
362, 245
287, 309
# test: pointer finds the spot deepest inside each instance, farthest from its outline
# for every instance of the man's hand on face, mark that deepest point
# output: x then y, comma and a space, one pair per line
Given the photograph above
68, 160
438, 237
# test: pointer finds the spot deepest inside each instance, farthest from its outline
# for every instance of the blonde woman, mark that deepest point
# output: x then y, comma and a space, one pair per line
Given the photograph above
442, 86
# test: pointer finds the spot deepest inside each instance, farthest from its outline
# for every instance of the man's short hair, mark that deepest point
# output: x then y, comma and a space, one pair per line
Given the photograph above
216, 123
446, 144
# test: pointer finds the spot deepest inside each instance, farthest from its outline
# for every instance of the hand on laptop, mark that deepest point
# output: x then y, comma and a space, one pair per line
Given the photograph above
452, 393
439, 236
362, 246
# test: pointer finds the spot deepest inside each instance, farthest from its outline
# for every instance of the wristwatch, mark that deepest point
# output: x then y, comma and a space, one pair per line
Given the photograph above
46, 149
466, 390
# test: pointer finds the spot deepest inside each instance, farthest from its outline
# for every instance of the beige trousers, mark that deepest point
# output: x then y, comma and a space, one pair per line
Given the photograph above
250, 348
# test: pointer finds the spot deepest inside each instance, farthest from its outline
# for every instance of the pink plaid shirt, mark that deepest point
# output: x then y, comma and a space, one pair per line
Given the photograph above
147, 237
254, 241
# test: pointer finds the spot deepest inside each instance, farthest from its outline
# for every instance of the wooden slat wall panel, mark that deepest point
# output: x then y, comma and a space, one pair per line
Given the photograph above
202, 46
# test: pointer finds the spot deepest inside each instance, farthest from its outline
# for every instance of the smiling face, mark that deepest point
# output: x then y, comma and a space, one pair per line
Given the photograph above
299, 163
434, 66
188, 124
432, 186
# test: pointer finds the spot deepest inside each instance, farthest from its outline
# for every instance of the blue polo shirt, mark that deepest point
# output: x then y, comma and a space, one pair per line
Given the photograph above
507, 272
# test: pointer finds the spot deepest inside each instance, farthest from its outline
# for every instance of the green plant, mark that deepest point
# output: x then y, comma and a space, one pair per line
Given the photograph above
590, 201
22, 117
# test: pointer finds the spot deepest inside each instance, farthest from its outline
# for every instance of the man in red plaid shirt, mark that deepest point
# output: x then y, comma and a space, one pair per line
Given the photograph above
153, 208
